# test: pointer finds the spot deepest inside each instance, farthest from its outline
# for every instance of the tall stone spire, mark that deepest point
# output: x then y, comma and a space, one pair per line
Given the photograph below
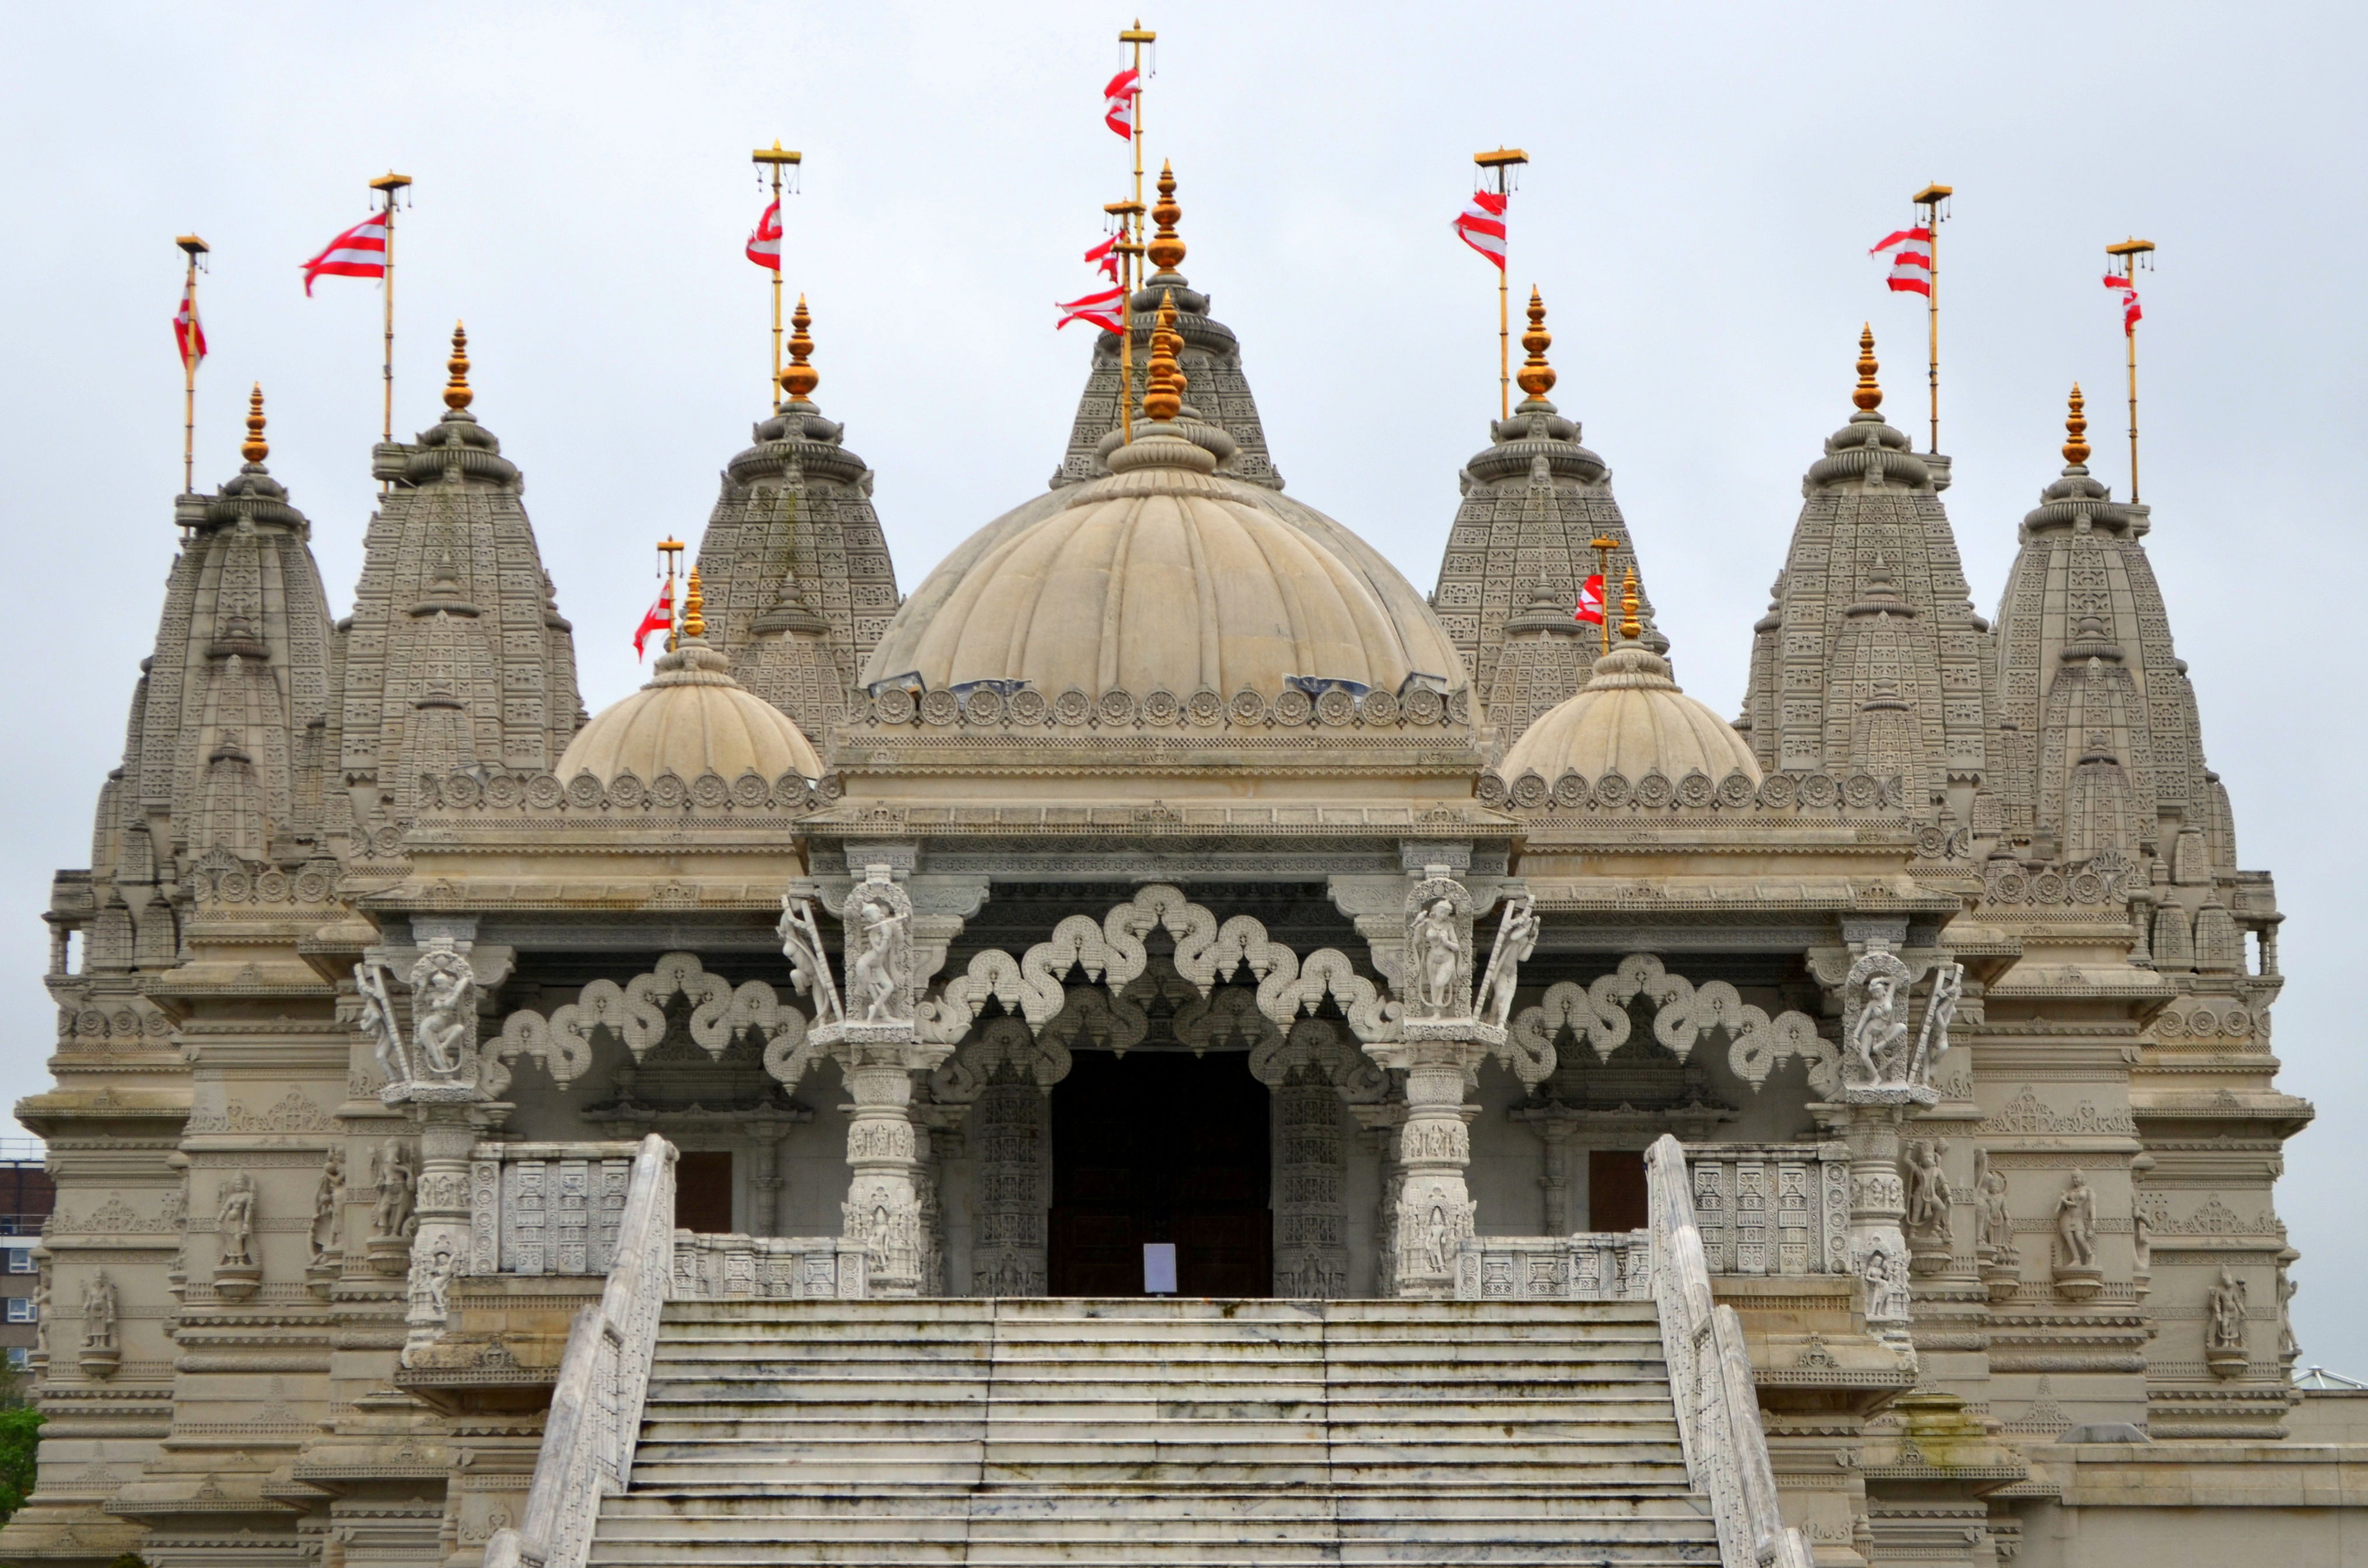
1871, 658
224, 754
2086, 670
456, 656
1534, 501
798, 576
1211, 359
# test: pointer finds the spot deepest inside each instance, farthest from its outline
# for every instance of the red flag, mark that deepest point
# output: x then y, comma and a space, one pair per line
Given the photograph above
188, 331
765, 245
1105, 258
1482, 226
1590, 601
1118, 107
2130, 315
1094, 308
359, 252
659, 619
1911, 260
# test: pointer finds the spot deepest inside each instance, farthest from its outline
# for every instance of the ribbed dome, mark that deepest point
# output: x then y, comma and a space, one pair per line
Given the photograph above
1165, 576
693, 717
1630, 719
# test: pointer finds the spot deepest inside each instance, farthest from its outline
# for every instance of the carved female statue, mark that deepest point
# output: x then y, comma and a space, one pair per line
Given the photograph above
1997, 1218
98, 1314
2226, 1309
444, 1013
2141, 1240
2076, 1222
872, 976
392, 1219
326, 1199
1880, 1027
1435, 1242
1438, 951
1517, 938
1927, 1188
236, 1220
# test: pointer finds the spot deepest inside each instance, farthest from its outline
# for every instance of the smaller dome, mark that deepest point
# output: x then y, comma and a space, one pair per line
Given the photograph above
1629, 719
692, 718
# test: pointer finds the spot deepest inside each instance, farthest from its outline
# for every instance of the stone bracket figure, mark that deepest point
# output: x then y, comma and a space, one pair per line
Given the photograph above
1878, 1060
1437, 970
1517, 938
809, 962
444, 1018
378, 1021
877, 918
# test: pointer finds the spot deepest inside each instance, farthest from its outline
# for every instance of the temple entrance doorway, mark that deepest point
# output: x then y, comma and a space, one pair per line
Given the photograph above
1160, 1146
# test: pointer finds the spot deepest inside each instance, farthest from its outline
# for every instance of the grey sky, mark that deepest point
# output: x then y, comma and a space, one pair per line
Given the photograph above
1707, 179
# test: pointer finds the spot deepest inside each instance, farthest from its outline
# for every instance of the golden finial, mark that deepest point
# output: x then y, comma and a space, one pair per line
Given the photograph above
1629, 627
1163, 396
1537, 377
255, 448
1869, 396
1165, 251
2076, 430
800, 379
456, 391
694, 624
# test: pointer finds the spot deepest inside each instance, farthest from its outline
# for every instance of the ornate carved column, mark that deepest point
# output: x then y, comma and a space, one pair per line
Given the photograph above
1003, 1073
1310, 1073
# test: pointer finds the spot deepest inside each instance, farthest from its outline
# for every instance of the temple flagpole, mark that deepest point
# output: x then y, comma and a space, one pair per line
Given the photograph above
1933, 199
774, 158
191, 355
388, 184
2131, 254
1130, 233
1501, 164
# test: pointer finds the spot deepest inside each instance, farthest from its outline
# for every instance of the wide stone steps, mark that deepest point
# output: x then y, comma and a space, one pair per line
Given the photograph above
1015, 1434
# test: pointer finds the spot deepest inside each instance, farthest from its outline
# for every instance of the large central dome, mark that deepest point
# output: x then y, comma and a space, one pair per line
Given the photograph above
1165, 576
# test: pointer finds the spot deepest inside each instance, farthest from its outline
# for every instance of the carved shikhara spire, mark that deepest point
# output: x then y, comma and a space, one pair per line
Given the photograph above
1165, 250
2075, 431
1869, 396
1162, 398
1537, 377
255, 448
456, 395
798, 378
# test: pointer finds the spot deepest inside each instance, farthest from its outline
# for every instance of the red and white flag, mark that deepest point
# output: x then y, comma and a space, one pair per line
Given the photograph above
2130, 315
765, 245
659, 619
1911, 260
1590, 601
1100, 310
1482, 225
1104, 258
359, 252
1118, 107
188, 331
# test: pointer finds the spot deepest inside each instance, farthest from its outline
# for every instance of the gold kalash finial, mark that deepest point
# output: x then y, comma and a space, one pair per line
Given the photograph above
1631, 628
2076, 430
800, 379
694, 623
1868, 396
1163, 397
1537, 377
456, 391
255, 448
1165, 250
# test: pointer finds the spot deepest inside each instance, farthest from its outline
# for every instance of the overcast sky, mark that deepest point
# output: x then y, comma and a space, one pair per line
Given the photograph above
1706, 180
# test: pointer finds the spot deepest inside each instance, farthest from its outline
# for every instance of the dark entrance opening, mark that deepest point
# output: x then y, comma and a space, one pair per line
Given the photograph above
1160, 1146
1616, 1191
702, 1191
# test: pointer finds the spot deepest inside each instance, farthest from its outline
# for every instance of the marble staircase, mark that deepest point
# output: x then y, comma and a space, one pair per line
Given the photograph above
1020, 1432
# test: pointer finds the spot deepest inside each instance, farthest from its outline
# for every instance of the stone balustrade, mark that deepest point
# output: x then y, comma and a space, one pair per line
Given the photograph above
772, 1268
1589, 1266
1771, 1208
546, 1208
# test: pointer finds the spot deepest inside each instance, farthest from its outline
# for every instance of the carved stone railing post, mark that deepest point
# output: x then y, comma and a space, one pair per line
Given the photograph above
1710, 1379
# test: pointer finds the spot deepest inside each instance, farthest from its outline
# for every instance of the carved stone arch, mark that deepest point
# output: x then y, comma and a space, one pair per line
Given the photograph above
635, 1014
1225, 1015
1092, 1014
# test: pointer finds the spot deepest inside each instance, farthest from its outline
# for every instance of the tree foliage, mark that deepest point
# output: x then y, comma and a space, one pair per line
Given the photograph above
19, 1433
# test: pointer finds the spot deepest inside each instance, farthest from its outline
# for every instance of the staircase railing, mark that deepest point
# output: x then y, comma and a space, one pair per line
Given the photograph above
596, 1410
1710, 1378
